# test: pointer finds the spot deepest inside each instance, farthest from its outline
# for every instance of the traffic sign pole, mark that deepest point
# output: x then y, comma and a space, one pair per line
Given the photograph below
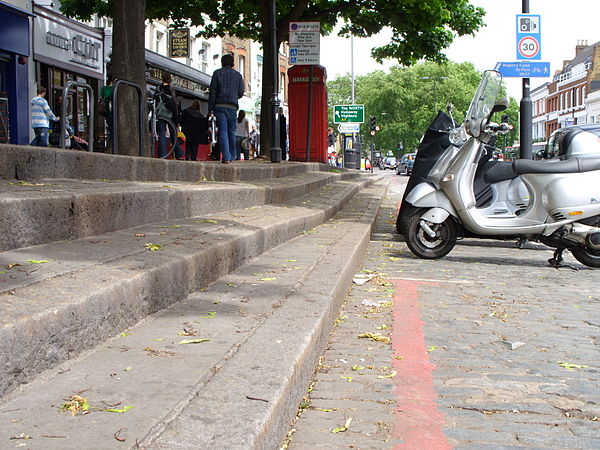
526, 131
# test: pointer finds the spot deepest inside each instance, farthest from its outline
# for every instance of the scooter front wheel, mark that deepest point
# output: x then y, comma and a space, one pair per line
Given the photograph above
426, 246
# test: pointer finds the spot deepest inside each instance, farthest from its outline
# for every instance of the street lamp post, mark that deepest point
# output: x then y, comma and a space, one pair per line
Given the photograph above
435, 79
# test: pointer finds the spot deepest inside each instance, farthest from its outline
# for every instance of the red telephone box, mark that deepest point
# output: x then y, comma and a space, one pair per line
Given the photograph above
299, 77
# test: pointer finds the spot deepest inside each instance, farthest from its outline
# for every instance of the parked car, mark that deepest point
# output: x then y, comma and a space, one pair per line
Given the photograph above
406, 164
388, 163
555, 147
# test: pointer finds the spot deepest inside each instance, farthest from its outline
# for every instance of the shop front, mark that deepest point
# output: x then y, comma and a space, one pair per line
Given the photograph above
14, 90
65, 50
190, 84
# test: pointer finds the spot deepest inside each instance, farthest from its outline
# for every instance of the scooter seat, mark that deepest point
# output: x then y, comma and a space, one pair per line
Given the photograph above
572, 165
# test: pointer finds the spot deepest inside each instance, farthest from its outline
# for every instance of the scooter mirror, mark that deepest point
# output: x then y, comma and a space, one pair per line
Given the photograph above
501, 105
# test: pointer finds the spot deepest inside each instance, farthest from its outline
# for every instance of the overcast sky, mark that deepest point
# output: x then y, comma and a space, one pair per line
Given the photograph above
563, 23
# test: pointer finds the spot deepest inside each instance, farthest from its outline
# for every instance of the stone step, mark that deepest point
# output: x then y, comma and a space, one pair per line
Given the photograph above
46, 210
265, 326
65, 297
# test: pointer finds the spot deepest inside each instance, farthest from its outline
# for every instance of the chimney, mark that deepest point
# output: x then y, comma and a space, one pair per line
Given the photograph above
581, 45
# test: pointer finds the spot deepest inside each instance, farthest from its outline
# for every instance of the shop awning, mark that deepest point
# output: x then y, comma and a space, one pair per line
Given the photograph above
186, 79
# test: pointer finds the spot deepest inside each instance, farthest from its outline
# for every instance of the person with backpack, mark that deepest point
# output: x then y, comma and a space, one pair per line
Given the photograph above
41, 115
166, 95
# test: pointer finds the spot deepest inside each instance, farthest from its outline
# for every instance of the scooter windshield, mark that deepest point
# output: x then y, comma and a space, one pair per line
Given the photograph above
483, 102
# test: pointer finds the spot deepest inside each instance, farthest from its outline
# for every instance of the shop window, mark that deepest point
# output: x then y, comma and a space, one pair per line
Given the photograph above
242, 67
204, 52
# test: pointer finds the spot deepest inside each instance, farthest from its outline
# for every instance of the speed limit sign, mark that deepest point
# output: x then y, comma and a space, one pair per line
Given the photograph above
529, 37
529, 47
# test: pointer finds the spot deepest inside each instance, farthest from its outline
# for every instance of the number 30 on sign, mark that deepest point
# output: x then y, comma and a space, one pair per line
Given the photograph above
529, 47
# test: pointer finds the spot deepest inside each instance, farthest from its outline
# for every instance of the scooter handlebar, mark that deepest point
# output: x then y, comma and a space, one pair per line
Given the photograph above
502, 128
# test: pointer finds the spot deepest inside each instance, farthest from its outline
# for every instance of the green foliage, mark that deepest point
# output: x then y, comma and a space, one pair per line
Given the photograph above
421, 29
403, 101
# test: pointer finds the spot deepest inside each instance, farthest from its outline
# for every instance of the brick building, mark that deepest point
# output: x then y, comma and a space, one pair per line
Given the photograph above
570, 87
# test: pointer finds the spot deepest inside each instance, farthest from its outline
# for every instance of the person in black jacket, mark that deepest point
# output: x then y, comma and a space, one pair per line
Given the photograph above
195, 127
283, 134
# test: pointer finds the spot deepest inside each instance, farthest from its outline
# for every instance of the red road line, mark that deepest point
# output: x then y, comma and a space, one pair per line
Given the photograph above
419, 423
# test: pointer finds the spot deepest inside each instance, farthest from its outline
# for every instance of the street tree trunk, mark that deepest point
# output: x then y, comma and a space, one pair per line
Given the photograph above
128, 63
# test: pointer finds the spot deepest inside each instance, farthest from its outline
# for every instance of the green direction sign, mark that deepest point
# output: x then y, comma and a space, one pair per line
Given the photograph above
349, 114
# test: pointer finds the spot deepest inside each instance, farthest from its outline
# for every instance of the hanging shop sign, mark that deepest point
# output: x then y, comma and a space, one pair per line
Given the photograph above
179, 43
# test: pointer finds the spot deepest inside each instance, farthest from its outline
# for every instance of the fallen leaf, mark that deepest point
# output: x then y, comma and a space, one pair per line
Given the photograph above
571, 366
390, 375
140, 235
125, 334
344, 428
347, 378
374, 337
356, 368
193, 341
170, 226
209, 315
37, 261
10, 266
153, 247
119, 410
153, 352
431, 348
75, 404
323, 409
268, 279
21, 436
207, 221
290, 260
231, 285
128, 368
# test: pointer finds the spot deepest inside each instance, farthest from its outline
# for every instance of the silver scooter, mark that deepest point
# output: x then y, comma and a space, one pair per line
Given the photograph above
556, 202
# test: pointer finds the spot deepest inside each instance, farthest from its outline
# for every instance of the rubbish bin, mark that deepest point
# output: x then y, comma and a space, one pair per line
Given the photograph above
351, 159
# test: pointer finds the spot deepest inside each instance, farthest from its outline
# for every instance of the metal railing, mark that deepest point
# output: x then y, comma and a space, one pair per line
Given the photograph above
91, 105
115, 115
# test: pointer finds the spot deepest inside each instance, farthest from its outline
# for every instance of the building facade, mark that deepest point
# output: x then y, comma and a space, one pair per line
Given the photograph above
571, 87
15, 50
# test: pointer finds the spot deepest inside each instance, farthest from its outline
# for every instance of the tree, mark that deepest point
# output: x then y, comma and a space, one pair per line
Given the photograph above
421, 30
403, 102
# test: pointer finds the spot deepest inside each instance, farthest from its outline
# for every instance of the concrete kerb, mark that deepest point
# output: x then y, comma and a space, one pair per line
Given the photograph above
95, 303
276, 363
31, 163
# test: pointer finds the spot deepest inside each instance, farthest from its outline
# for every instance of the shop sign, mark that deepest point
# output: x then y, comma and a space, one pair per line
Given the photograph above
177, 81
55, 41
179, 43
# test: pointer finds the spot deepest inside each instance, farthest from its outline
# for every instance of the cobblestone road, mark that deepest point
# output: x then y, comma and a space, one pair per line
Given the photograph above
490, 348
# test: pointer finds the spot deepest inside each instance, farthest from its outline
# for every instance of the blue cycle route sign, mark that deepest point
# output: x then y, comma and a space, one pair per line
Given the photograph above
523, 69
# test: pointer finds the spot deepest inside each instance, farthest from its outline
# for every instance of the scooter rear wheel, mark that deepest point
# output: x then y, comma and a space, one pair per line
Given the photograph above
587, 256
425, 246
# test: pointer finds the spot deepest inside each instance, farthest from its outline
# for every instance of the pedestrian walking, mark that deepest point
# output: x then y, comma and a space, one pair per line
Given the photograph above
282, 134
105, 108
226, 87
242, 133
166, 94
195, 127
254, 142
41, 115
